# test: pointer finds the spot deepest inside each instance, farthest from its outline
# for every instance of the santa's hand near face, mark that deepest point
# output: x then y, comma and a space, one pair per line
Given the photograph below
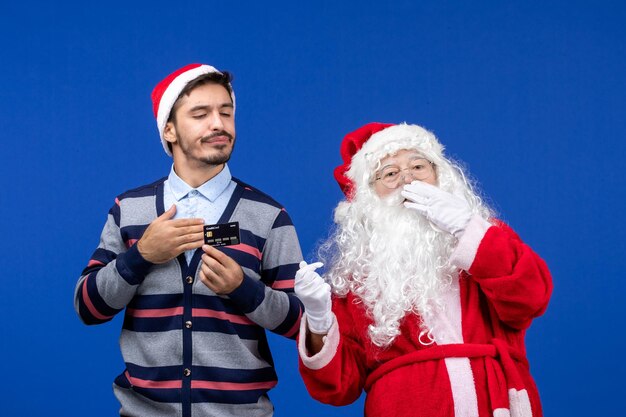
314, 293
448, 212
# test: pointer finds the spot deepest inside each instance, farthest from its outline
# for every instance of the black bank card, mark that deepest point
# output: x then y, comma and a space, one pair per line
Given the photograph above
221, 234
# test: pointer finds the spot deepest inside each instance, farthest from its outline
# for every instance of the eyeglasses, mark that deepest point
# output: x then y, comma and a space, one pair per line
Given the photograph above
392, 176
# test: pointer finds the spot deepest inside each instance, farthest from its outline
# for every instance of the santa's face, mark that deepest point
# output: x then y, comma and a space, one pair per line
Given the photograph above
403, 167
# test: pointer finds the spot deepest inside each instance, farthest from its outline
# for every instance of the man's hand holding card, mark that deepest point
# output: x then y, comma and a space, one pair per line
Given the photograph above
219, 272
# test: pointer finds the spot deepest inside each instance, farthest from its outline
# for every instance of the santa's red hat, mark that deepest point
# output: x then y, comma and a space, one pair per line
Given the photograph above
351, 144
167, 91
362, 150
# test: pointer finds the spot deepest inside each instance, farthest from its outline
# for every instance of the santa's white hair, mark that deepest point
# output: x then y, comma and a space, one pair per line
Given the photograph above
393, 259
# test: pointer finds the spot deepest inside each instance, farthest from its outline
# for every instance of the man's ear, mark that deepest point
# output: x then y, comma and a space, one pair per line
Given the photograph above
169, 132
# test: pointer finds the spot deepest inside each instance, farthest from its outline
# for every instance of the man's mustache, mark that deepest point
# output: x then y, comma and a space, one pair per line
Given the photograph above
208, 138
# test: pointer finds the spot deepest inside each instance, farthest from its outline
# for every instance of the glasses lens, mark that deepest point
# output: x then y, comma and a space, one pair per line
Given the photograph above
390, 177
420, 169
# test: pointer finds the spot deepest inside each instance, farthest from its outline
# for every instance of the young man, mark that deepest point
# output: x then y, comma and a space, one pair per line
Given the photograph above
431, 296
193, 338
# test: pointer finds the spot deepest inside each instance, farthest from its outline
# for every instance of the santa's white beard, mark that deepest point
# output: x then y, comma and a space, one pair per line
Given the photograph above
395, 261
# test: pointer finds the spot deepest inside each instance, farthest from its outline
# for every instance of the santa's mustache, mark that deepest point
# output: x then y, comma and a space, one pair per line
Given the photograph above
394, 199
213, 135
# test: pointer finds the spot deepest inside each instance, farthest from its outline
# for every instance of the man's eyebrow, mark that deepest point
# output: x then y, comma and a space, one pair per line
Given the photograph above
206, 106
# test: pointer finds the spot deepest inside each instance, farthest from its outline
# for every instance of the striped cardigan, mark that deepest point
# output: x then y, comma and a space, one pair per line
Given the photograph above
189, 352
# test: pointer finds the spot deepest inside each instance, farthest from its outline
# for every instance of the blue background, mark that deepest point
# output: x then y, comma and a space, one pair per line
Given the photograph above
530, 95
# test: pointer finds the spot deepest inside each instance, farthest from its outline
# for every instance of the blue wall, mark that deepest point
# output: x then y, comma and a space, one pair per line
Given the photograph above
530, 96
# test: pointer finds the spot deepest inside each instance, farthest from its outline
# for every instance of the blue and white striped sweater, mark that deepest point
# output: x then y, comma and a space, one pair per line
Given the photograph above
188, 351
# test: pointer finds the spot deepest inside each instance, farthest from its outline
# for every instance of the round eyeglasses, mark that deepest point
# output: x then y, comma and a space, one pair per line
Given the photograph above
392, 176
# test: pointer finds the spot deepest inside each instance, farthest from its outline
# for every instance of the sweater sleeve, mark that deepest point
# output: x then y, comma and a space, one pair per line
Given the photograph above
270, 302
112, 275
515, 280
336, 374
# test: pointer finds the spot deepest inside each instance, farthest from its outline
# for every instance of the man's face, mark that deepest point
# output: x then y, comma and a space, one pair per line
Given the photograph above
402, 168
203, 128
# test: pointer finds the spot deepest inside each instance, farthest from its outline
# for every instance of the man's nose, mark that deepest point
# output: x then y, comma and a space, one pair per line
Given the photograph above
215, 121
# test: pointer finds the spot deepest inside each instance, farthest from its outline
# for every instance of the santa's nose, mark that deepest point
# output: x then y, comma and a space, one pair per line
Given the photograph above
407, 178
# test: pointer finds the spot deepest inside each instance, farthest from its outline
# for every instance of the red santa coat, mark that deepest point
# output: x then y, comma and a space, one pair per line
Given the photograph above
477, 365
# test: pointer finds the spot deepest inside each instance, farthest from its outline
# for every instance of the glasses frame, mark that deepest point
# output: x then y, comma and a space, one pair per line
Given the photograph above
405, 171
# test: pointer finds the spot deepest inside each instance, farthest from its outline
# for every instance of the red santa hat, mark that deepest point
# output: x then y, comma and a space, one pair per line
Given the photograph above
167, 91
350, 145
362, 150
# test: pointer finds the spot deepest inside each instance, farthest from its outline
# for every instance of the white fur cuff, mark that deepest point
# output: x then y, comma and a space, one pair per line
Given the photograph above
465, 252
324, 356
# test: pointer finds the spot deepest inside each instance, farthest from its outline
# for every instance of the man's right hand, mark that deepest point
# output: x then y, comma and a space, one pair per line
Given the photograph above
165, 239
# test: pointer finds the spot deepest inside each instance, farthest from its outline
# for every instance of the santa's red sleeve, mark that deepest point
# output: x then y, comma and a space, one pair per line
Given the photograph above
515, 280
336, 374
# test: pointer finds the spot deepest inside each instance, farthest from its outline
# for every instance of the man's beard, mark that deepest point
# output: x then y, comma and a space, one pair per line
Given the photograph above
224, 155
402, 264
220, 156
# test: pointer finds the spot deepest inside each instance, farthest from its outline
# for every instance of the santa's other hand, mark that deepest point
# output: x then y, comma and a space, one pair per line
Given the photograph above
448, 212
314, 293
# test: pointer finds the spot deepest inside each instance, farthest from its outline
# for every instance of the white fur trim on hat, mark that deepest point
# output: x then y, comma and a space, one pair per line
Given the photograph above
388, 142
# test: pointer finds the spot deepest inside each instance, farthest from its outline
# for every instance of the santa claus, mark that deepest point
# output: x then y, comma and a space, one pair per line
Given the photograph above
427, 297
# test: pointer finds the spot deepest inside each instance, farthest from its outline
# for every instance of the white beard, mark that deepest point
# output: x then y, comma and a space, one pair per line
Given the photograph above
401, 265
